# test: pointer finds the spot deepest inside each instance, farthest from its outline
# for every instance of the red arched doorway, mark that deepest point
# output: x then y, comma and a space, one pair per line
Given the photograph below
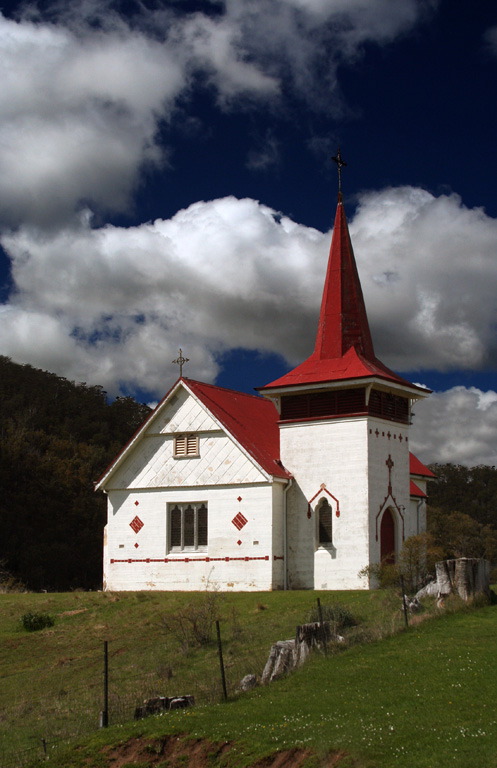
387, 537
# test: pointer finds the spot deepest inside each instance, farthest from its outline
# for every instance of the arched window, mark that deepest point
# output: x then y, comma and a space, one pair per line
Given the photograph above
325, 517
387, 537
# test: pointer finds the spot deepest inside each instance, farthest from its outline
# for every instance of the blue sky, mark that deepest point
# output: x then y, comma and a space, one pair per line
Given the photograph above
166, 181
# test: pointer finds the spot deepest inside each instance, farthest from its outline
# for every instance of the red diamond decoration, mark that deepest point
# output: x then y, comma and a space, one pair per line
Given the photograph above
239, 521
238, 542
136, 524
239, 498
136, 545
136, 503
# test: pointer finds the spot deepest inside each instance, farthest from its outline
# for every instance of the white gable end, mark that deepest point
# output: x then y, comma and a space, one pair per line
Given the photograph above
182, 413
151, 462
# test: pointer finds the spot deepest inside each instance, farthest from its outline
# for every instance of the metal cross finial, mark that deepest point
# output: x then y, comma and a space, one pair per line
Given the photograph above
181, 361
340, 163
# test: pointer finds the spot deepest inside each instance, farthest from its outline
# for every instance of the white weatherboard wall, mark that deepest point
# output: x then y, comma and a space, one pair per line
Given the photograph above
191, 570
418, 506
333, 452
222, 476
388, 439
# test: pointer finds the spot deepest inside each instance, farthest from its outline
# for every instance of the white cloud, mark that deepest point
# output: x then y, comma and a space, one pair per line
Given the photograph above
234, 273
428, 268
84, 90
458, 426
216, 275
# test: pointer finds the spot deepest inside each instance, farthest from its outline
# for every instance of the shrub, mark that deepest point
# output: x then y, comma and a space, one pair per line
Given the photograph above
32, 622
8, 582
193, 625
338, 615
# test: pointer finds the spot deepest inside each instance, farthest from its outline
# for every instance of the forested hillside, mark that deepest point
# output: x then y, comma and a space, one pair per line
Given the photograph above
56, 438
462, 511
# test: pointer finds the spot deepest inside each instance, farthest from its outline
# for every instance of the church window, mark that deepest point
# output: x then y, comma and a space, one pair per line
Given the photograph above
188, 526
325, 517
186, 445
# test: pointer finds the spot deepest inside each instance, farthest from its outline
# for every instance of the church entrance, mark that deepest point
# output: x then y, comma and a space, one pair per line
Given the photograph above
387, 538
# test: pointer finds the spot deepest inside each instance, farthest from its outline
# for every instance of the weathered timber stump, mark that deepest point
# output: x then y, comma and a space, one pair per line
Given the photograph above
285, 655
464, 576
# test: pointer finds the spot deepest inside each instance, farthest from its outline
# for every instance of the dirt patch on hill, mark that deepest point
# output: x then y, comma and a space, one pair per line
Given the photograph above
181, 752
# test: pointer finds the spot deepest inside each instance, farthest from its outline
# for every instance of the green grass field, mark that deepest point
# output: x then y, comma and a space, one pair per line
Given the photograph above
416, 699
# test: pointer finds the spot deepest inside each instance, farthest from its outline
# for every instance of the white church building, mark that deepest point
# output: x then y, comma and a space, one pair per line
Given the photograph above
298, 488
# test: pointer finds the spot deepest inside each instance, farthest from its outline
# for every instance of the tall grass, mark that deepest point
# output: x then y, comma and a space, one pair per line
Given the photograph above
417, 699
52, 686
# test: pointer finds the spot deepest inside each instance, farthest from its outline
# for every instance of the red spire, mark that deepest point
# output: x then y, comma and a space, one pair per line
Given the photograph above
343, 321
344, 347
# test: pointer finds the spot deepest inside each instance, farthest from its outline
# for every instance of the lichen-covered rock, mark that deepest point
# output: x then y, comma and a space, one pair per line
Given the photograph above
248, 682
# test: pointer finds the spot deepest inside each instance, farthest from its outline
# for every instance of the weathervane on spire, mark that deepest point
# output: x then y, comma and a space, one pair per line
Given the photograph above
340, 163
180, 360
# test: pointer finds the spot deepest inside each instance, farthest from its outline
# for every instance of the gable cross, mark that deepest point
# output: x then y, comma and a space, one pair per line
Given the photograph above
180, 360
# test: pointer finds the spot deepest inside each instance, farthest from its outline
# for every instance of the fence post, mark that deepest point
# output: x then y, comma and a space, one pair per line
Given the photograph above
321, 626
404, 604
221, 663
104, 714
44, 745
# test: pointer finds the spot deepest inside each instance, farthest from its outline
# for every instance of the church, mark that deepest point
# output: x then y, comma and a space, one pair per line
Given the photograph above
299, 487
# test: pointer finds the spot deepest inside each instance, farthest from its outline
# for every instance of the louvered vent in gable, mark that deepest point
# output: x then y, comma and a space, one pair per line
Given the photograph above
186, 445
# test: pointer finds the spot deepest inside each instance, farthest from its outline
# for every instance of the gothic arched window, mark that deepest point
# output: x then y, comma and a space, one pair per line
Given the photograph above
325, 517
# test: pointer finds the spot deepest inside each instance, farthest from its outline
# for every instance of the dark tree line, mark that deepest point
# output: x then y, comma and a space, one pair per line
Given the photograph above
56, 439
462, 511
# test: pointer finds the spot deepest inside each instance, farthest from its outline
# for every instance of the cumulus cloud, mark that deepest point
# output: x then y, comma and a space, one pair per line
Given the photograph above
428, 266
458, 426
216, 275
84, 90
235, 273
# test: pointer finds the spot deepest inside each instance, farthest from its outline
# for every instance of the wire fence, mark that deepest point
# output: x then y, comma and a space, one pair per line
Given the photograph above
43, 707
113, 680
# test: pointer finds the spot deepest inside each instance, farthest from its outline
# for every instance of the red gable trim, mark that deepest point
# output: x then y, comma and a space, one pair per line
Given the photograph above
416, 490
416, 467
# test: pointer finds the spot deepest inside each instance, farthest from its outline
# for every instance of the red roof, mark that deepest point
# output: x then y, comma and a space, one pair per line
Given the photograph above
252, 420
344, 347
415, 490
351, 366
416, 467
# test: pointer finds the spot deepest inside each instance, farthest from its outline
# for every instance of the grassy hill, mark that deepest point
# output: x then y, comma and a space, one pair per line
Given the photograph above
416, 699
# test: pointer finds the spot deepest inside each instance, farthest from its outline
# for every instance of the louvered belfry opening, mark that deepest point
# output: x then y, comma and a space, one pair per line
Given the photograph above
316, 404
345, 402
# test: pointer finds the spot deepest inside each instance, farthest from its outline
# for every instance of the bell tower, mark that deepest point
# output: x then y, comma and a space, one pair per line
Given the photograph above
344, 435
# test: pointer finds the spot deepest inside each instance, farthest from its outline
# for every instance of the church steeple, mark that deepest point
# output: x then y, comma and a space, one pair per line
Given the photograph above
343, 322
343, 348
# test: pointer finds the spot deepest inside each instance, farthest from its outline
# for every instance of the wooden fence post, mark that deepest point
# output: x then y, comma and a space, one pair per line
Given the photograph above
104, 714
221, 663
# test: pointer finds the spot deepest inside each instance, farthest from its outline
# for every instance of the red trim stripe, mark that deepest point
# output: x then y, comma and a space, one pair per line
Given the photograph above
192, 559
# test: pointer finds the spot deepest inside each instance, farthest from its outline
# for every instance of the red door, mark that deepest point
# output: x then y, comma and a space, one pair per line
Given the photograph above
387, 537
